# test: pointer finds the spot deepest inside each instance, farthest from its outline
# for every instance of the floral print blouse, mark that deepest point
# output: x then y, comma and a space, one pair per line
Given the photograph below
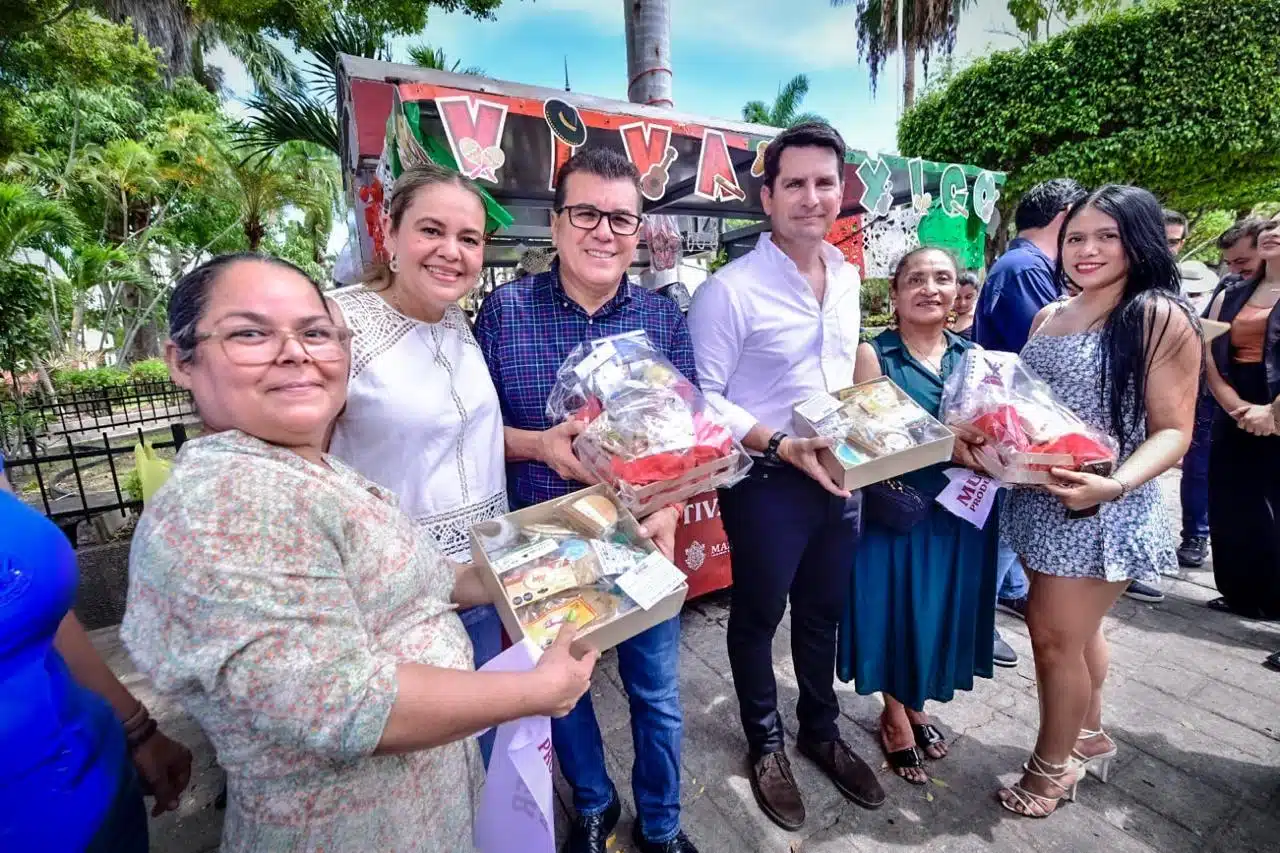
274, 598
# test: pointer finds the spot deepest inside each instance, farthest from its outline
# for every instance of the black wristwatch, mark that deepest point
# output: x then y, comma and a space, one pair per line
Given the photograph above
771, 452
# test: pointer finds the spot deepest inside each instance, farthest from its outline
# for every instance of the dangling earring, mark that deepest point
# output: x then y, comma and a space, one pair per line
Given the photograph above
394, 264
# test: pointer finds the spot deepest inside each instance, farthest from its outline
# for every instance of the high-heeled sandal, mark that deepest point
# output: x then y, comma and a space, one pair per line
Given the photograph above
1099, 765
1026, 803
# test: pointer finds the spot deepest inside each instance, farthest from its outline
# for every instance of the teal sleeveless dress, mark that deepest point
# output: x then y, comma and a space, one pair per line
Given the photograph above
921, 609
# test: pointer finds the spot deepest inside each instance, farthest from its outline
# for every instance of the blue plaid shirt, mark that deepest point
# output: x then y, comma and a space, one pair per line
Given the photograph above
526, 329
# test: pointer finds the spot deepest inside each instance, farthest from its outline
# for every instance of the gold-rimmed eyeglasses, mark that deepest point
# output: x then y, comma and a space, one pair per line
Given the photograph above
255, 346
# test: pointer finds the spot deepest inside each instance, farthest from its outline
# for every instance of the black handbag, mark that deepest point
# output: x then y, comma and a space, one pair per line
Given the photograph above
895, 505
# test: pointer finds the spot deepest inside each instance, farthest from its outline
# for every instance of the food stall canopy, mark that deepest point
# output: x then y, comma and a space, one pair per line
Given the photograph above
512, 139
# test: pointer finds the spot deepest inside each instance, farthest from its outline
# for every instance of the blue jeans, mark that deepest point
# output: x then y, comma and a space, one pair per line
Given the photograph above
649, 665
1195, 473
1011, 578
485, 630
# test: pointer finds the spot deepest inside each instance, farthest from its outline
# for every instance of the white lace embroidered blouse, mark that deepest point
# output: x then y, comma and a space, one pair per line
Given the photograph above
422, 417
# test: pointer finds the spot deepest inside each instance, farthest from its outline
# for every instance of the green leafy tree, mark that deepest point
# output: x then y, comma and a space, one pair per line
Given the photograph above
28, 223
266, 186
42, 65
1177, 97
183, 30
927, 26
1035, 18
285, 113
785, 109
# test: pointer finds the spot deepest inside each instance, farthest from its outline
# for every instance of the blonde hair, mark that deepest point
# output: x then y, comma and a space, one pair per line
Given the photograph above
412, 181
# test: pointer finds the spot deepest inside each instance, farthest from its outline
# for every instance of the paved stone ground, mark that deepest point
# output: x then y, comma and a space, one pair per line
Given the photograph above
1195, 713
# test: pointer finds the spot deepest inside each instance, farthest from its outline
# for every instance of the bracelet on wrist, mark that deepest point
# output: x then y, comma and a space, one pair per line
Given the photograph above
1124, 487
137, 719
145, 733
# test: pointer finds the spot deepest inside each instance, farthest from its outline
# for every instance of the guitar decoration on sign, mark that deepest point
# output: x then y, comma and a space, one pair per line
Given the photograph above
717, 180
920, 200
985, 195
649, 148
474, 128
877, 187
953, 189
568, 134
757, 168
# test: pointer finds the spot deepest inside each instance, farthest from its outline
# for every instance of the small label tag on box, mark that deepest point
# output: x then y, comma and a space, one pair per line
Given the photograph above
594, 359
818, 407
648, 583
524, 555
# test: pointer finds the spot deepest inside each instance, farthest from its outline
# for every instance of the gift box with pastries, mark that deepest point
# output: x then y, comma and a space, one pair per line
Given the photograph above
1028, 429
567, 560
879, 433
649, 431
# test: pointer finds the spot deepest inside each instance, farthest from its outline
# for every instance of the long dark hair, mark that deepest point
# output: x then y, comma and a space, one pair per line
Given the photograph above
1130, 336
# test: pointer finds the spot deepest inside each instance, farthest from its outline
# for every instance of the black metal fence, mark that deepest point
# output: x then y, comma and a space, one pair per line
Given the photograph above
77, 414
58, 475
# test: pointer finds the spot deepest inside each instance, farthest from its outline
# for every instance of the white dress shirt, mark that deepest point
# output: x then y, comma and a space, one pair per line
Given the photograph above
763, 343
422, 418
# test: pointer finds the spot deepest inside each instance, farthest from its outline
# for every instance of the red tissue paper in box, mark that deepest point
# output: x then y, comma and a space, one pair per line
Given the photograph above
999, 396
646, 423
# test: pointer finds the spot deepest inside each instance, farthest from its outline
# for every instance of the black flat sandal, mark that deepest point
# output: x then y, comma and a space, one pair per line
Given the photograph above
905, 759
1273, 662
927, 735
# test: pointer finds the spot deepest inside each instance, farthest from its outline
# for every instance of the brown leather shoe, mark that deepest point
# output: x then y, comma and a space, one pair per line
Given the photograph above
776, 790
852, 776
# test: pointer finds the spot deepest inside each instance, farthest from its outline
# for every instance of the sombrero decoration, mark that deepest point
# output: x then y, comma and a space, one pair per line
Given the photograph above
564, 121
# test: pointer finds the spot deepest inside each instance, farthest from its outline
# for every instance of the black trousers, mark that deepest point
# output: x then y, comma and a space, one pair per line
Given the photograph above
790, 537
1244, 505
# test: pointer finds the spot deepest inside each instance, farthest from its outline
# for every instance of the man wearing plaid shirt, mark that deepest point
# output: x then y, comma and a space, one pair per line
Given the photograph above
526, 329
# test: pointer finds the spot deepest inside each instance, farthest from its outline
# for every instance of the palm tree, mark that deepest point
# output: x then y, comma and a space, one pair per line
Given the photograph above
89, 266
28, 222
307, 113
785, 110
266, 186
425, 56
927, 25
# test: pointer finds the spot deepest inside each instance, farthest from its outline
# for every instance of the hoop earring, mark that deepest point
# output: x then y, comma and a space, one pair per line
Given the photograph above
394, 264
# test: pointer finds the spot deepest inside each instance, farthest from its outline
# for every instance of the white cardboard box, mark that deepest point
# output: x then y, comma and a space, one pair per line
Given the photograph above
858, 474
604, 634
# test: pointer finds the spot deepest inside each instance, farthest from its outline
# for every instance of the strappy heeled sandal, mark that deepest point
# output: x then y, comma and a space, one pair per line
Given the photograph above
1026, 803
1101, 761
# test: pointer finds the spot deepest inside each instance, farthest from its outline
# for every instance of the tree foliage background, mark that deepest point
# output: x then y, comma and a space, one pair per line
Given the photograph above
1179, 96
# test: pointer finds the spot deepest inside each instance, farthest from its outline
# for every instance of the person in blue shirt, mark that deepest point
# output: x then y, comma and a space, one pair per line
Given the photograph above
1021, 282
77, 749
526, 329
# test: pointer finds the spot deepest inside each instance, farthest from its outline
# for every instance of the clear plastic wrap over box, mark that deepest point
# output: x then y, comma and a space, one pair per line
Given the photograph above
562, 561
1028, 430
650, 433
880, 433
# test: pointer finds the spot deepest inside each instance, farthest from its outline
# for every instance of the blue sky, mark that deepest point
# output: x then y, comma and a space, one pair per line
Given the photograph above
724, 53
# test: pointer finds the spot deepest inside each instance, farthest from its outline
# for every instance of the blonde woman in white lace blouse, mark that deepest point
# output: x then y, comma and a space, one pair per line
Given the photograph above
422, 416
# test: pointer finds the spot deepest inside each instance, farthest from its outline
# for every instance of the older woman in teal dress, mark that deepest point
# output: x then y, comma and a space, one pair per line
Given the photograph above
922, 602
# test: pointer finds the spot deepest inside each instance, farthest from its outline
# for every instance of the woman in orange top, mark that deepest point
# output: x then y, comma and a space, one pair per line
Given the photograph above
1244, 458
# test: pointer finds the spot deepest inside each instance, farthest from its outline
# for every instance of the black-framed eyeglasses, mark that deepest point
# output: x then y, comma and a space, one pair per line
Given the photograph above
256, 346
587, 217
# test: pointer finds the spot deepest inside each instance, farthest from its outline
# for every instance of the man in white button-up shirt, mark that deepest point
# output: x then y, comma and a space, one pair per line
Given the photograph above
769, 330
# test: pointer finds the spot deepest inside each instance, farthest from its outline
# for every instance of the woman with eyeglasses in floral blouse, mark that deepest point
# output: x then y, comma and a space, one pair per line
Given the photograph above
291, 606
